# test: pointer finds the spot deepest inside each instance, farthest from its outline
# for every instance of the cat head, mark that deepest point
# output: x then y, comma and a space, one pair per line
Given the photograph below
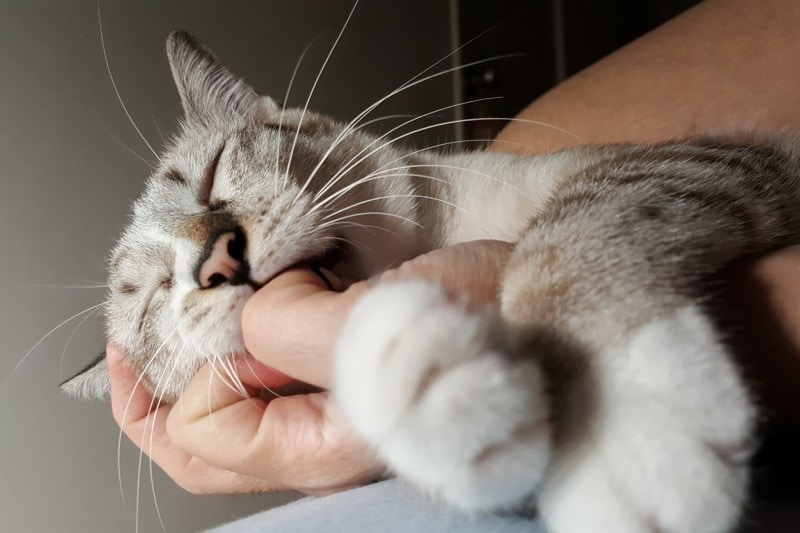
244, 191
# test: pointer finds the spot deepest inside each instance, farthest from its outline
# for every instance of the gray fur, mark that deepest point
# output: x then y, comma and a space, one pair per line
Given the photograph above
611, 239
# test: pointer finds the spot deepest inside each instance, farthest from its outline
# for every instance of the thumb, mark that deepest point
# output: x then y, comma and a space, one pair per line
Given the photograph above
293, 441
292, 323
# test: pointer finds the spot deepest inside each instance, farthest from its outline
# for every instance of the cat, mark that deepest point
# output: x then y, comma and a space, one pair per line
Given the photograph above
599, 390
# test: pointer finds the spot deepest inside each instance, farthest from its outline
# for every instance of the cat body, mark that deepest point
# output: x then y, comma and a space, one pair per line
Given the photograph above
598, 390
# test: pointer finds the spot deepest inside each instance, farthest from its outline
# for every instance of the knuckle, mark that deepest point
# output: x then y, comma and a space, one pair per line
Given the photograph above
177, 429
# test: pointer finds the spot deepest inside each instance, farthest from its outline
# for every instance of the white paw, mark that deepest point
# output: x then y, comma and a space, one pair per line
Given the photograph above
430, 385
670, 439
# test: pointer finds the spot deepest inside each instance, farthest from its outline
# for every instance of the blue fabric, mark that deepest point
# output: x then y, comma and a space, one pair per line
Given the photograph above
388, 507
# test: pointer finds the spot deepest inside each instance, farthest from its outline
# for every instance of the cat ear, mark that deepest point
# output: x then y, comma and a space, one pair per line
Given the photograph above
209, 92
91, 382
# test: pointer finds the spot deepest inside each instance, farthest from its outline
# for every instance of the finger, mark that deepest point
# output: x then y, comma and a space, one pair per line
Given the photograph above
293, 441
143, 421
259, 376
131, 403
472, 269
292, 323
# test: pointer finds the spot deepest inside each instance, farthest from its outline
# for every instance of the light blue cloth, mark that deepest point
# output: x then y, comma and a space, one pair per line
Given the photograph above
388, 507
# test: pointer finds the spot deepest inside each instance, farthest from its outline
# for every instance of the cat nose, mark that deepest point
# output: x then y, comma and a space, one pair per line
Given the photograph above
223, 261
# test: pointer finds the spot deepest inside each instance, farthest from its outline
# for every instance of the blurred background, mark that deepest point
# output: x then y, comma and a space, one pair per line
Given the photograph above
72, 162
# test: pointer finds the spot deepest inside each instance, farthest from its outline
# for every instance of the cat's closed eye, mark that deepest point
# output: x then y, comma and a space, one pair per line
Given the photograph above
126, 288
206, 196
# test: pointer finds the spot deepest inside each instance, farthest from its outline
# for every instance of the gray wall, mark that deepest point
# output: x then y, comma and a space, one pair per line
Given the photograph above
66, 187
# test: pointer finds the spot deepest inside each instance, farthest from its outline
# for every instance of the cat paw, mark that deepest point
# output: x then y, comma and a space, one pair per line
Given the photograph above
669, 444
429, 383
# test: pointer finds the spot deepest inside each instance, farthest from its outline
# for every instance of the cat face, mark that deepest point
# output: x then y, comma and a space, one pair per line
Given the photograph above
245, 191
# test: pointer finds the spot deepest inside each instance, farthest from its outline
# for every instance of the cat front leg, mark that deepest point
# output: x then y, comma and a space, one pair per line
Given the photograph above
431, 385
652, 427
669, 439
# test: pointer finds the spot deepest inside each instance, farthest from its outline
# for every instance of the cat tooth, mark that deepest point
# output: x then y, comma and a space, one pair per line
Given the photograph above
331, 280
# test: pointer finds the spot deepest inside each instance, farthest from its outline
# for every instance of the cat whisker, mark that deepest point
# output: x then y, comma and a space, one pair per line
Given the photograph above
69, 339
374, 177
392, 196
155, 123
88, 285
368, 213
260, 382
369, 227
456, 51
414, 80
215, 374
431, 126
139, 379
449, 144
114, 84
211, 375
141, 457
283, 109
357, 245
314, 86
219, 364
154, 413
349, 165
234, 376
468, 172
383, 171
152, 477
153, 409
40, 341
175, 356
128, 148
339, 238
233, 379
349, 128
339, 175
386, 117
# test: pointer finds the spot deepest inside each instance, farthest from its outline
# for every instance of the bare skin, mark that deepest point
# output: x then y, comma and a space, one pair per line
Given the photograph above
722, 66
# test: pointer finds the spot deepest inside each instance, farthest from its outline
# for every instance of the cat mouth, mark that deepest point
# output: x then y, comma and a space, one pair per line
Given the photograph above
336, 267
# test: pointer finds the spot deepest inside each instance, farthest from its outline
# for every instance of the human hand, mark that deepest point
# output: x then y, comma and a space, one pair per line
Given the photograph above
214, 440
292, 324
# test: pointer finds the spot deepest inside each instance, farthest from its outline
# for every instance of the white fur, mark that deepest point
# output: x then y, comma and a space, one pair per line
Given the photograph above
671, 442
438, 388
476, 401
667, 450
499, 193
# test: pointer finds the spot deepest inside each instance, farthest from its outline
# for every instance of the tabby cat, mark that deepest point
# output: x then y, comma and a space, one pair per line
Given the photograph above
598, 390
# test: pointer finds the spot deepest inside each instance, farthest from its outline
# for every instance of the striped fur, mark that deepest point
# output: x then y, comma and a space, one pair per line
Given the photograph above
599, 389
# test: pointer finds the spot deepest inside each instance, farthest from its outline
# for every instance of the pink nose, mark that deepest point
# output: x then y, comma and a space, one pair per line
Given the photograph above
224, 262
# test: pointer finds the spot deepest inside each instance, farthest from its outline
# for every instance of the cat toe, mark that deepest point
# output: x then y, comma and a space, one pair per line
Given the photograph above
430, 384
